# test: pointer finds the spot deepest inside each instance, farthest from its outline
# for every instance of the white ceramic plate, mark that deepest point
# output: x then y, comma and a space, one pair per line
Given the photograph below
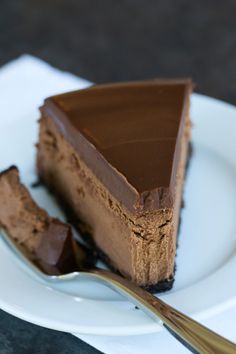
206, 261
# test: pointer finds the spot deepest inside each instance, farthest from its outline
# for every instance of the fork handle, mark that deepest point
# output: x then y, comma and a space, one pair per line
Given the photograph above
192, 334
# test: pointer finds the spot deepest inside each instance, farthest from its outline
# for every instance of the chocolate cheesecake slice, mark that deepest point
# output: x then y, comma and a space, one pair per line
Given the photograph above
46, 241
115, 154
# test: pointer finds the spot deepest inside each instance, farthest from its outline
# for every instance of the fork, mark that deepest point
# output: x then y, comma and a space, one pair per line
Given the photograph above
193, 335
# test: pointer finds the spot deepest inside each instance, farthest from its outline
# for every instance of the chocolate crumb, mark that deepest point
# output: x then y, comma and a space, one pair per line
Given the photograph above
36, 184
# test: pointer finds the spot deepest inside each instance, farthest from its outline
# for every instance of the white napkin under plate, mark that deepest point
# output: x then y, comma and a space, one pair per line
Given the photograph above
27, 81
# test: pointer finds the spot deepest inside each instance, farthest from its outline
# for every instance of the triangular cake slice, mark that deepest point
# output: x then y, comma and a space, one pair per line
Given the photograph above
115, 154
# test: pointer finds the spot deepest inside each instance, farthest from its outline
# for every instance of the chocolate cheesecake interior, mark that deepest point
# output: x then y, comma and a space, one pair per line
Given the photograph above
46, 241
115, 155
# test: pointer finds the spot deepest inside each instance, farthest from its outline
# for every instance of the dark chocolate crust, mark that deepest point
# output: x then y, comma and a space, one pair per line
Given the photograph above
119, 144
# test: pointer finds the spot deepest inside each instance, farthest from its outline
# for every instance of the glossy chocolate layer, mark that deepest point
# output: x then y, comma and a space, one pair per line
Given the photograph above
128, 134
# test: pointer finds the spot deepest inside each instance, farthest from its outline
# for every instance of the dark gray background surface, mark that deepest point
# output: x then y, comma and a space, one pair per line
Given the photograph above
110, 40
